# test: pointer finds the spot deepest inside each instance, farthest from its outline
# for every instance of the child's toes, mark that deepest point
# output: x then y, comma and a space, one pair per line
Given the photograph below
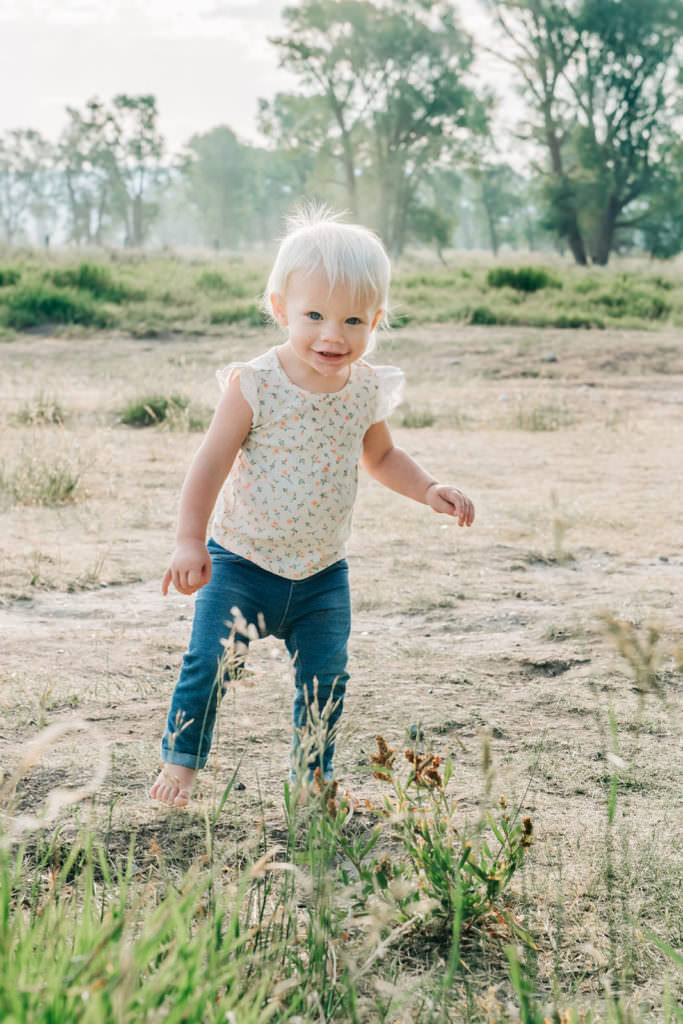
181, 797
173, 788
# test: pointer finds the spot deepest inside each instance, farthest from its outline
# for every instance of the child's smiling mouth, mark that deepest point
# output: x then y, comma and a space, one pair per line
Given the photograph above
331, 357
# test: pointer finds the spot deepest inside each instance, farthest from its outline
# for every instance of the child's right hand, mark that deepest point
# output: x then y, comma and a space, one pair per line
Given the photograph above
190, 568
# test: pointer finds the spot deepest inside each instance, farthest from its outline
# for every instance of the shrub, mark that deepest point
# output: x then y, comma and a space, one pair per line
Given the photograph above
575, 320
39, 479
98, 280
482, 315
398, 320
252, 314
34, 305
523, 279
586, 284
150, 410
42, 411
214, 281
626, 300
417, 418
9, 276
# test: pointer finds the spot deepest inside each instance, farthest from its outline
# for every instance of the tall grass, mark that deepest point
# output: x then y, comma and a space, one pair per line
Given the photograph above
296, 933
312, 927
40, 476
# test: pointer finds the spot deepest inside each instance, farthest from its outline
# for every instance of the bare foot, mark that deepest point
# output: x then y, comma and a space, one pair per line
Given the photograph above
173, 785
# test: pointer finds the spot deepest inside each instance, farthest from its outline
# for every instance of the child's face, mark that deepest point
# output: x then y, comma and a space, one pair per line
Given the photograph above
328, 330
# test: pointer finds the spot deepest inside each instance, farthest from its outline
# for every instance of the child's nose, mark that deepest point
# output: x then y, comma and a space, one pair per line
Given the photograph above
333, 331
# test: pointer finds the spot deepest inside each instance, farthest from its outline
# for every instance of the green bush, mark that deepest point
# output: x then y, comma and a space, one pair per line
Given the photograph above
482, 315
149, 410
214, 281
427, 280
39, 304
586, 284
523, 279
417, 418
626, 300
398, 320
575, 320
9, 276
96, 279
252, 314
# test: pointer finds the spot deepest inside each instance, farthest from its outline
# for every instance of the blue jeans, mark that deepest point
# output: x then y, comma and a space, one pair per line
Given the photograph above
312, 616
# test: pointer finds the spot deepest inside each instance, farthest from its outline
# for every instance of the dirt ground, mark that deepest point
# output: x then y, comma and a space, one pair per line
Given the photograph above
571, 445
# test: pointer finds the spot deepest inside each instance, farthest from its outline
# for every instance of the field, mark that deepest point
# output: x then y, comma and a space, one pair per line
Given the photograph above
540, 650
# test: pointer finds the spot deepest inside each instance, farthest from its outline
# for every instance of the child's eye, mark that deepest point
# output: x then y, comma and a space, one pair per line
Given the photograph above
314, 316
353, 320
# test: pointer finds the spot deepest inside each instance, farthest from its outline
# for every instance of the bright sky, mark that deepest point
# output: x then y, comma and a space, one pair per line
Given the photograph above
206, 61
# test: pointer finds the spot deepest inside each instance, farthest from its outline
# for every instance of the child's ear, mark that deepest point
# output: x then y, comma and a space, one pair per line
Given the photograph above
277, 304
378, 316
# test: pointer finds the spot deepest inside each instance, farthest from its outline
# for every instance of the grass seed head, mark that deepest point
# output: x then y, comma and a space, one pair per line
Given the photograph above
384, 758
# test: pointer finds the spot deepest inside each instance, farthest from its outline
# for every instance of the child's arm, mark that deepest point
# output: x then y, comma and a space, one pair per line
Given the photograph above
190, 566
396, 470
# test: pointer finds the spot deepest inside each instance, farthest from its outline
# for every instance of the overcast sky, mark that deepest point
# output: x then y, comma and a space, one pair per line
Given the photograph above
206, 61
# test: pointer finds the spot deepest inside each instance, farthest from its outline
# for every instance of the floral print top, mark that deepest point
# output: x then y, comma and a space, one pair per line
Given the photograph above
287, 502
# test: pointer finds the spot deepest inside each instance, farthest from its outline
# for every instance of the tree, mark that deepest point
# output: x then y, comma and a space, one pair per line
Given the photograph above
499, 195
137, 150
428, 224
297, 128
217, 173
25, 159
598, 75
110, 159
85, 157
661, 221
393, 80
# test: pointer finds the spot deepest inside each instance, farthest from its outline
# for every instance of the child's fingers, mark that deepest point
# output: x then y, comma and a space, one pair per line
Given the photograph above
166, 582
461, 507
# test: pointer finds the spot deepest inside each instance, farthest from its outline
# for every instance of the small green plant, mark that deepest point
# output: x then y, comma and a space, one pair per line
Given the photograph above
9, 276
574, 320
643, 654
37, 304
484, 316
97, 280
400, 319
43, 410
543, 417
214, 281
415, 419
625, 298
252, 314
39, 478
522, 279
441, 866
150, 410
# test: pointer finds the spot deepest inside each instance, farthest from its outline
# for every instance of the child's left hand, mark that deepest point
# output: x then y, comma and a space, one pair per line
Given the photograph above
451, 501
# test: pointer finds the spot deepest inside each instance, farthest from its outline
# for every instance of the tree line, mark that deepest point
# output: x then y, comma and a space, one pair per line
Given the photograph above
390, 122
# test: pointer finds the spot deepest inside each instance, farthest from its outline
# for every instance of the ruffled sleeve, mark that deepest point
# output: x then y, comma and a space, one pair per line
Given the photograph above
248, 383
391, 383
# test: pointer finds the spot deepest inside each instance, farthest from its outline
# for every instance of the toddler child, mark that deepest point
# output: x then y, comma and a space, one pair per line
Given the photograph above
279, 467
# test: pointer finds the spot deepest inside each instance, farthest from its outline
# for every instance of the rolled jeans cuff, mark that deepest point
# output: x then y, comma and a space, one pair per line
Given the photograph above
170, 756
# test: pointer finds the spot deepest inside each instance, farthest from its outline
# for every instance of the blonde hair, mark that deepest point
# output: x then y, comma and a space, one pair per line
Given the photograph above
349, 254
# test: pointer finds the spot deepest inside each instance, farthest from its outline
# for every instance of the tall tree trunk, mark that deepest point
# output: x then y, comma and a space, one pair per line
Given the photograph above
348, 159
570, 215
604, 240
493, 234
138, 226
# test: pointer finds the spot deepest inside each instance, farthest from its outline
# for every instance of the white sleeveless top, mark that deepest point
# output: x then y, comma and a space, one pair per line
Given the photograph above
287, 502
